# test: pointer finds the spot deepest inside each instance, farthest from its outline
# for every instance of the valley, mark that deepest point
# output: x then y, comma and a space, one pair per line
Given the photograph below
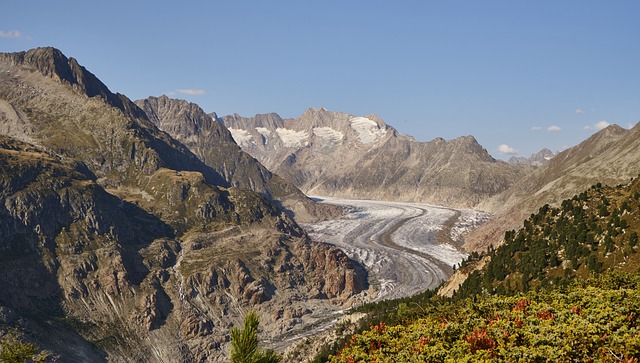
406, 247
146, 230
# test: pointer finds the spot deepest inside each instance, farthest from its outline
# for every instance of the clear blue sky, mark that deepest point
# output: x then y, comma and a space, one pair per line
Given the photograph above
527, 74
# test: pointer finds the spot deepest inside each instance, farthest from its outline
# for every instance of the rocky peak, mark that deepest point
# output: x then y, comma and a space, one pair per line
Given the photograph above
53, 63
540, 158
470, 145
181, 119
270, 121
320, 117
591, 147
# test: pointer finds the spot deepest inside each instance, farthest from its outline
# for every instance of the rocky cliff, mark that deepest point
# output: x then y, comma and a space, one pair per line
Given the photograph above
337, 154
119, 239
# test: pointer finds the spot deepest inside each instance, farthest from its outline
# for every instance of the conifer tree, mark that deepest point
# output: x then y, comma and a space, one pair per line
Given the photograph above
244, 343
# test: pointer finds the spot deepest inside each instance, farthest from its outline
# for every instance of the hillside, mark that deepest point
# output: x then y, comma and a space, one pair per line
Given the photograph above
562, 288
594, 231
336, 154
119, 239
610, 156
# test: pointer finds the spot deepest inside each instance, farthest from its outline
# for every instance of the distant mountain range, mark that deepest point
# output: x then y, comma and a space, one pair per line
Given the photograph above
336, 154
540, 158
212, 143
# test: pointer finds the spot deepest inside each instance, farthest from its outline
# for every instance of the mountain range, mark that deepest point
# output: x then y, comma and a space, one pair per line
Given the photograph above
542, 157
212, 143
328, 153
145, 230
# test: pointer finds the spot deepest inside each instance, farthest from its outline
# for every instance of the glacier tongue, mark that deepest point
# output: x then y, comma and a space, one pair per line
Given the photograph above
397, 241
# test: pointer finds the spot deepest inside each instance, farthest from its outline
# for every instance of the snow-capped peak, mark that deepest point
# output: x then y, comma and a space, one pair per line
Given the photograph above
367, 129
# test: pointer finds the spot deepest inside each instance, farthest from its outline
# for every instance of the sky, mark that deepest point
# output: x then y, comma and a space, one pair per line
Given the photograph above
517, 75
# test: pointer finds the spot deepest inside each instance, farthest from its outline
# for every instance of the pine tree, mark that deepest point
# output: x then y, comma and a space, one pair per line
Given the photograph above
244, 343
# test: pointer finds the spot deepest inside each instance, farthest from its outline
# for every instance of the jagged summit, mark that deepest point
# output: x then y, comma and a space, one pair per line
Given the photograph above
338, 154
536, 159
53, 63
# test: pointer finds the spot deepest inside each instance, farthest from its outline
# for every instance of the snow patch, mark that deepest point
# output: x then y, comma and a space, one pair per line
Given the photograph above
328, 133
368, 130
242, 137
292, 138
263, 131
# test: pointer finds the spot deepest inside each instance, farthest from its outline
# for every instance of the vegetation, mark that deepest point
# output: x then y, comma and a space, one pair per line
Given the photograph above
593, 321
14, 350
594, 231
565, 287
244, 343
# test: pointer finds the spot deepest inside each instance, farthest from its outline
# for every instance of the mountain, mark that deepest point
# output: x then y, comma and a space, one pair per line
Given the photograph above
208, 139
118, 243
542, 157
562, 288
610, 156
336, 154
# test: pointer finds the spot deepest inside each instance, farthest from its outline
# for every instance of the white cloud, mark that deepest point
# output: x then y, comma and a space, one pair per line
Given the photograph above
506, 149
191, 92
598, 125
554, 128
11, 34
536, 128
579, 110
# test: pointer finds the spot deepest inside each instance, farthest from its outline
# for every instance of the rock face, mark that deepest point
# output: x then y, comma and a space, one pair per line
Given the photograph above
208, 139
337, 154
540, 158
610, 156
118, 243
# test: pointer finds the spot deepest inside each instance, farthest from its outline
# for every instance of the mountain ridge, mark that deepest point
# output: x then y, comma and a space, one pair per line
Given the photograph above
338, 154
536, 159
123, 235
208, 139
610, 156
